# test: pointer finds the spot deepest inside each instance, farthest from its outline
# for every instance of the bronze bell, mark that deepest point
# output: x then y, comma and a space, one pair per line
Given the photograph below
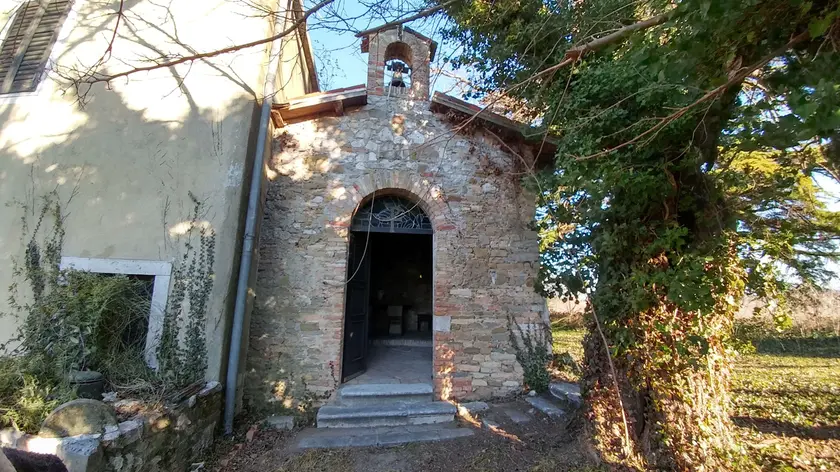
397, 79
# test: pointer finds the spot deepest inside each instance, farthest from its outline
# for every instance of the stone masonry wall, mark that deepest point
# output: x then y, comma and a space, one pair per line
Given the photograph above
485, 255
169, 439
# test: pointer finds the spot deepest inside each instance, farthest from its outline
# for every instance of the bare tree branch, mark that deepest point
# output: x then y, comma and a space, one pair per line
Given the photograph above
599, 43
291, 29
616, 36
416, 16
107, 54
92, 76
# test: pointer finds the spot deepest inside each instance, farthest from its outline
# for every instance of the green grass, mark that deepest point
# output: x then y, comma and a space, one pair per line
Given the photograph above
785, 397
803, 392
568, 340
568, 352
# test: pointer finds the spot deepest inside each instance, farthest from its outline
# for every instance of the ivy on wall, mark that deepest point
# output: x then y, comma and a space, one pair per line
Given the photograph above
185, 362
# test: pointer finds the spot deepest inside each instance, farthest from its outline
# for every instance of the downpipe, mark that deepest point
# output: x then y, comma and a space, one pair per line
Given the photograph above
245, 270
248, 241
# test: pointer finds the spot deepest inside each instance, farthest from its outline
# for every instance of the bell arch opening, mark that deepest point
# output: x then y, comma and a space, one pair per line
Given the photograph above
398, 65
389, 293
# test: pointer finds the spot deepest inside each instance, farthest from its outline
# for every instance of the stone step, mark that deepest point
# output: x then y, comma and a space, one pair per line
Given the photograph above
386, 414
567, 393
377, 394
411, 342
547, 405
312, 438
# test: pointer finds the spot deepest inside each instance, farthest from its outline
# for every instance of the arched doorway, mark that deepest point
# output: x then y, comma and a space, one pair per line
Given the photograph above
389, 292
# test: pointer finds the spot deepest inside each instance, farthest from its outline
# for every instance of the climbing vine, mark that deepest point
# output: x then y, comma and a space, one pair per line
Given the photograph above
184, 362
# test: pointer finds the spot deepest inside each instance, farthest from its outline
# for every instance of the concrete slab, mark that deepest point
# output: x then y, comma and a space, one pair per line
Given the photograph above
378, 437
396, 365
280, 422
376, 394
474, 407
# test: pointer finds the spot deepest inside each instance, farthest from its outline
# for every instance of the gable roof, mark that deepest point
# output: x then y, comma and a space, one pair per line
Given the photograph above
314, 105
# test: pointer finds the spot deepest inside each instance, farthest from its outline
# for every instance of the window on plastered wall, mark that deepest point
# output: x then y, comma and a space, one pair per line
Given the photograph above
154, 277
27, 43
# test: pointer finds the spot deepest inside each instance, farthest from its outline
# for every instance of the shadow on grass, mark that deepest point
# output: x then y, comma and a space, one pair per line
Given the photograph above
784, 428
825, 346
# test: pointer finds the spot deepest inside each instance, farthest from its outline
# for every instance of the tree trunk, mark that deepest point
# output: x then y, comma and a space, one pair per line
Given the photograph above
663, 403
669, 416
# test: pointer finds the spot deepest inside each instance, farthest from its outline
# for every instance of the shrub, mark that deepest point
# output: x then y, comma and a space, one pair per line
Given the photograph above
86, 321
72, 320
533, 351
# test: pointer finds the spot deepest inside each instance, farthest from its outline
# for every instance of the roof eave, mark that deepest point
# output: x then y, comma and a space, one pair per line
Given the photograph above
544, 146
314, 105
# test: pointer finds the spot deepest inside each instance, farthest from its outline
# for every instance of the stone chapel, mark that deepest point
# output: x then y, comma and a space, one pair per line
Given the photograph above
397, 241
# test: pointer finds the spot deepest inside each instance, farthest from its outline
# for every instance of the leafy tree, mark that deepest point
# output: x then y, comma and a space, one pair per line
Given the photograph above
689, 136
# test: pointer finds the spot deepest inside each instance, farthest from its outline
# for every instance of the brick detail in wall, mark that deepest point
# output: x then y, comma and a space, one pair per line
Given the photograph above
485, 256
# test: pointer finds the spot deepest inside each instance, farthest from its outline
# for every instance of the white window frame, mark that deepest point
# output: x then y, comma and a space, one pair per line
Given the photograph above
162, 272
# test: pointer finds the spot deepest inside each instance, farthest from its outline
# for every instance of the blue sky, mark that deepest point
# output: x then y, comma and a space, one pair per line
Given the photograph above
338, 55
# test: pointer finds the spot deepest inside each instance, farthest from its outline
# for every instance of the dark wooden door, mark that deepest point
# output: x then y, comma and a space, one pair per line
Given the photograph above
356, 308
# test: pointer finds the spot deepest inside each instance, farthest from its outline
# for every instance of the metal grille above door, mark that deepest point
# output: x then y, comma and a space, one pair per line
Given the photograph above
390, 214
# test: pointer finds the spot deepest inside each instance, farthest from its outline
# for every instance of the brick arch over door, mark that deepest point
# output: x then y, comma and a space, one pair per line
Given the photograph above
444, 245
402, 184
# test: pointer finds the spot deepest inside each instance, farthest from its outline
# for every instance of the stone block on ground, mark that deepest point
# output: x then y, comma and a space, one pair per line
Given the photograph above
280, 422
516, 415
77, 417
566, 391
131, 431
472, 407
546, 406
82, 453
489, 424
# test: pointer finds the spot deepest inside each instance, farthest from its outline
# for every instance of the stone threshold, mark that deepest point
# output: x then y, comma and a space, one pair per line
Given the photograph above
314, 438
